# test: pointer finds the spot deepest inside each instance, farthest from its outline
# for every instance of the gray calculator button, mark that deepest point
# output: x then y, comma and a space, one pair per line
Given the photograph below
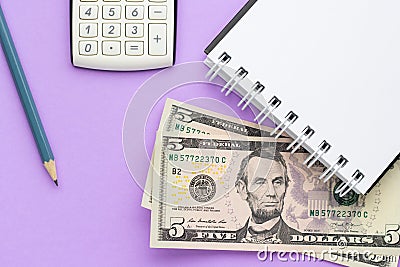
111, 48
134, 30
157, 12
88, 30
134, 12
134, 48
111, 12
157, 39
111, 30
88, 48
88, 12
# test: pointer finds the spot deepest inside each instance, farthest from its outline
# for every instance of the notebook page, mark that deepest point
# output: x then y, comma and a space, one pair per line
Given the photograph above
336, 64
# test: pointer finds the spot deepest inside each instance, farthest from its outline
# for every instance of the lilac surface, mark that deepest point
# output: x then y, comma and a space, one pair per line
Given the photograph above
94, 218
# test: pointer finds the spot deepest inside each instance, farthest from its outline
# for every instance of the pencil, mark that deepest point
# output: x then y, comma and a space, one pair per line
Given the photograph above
26, 98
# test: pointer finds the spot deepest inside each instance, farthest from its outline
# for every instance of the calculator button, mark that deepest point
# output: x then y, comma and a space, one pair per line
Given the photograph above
112, 0
88, 30
157, 12
134, 0
111, 12
111, 48
134, 30
157, 39
158, 0
111, 30
134, 48
134, 12
88, 48
88, 0
88, 12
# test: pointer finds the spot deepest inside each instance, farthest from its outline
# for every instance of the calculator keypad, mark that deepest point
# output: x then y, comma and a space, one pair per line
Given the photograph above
108, 34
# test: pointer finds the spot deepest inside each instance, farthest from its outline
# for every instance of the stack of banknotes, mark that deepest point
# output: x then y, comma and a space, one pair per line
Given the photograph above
218, 182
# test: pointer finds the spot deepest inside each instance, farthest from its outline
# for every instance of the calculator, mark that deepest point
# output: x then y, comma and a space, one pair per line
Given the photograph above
123, 35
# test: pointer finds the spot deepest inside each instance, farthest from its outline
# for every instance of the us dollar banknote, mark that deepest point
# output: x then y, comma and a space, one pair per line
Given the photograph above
241, 194
171, 105
183, 119
350, 258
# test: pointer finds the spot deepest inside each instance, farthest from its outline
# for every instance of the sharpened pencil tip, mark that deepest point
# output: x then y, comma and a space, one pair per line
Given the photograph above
51, 169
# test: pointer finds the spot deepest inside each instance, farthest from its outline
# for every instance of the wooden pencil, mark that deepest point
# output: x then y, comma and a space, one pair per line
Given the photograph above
26, 98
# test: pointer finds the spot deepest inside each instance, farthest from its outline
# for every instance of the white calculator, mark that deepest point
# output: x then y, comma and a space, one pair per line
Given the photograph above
123, 35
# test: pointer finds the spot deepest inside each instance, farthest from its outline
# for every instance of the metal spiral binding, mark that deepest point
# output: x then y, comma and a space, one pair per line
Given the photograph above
322, 149
332, 170
301, 139
290, 118
271, 106
240, 74
222, 61
355, 179
257, 88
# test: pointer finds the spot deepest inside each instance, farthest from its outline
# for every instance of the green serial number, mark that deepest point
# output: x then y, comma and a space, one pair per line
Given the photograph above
194, 158
339, 213
189, 130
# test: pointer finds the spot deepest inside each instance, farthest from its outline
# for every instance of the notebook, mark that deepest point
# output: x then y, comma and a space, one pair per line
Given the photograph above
326, 72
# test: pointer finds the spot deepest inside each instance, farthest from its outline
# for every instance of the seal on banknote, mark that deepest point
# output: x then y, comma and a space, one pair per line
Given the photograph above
202, 188
347, 200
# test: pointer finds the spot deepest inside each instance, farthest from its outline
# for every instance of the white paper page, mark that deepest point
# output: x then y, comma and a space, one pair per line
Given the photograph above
336, 64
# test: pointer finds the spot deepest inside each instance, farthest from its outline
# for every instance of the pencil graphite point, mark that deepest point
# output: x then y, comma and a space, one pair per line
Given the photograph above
51, 169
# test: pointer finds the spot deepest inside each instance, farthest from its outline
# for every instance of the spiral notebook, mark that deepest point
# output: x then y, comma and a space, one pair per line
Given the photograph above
327, 72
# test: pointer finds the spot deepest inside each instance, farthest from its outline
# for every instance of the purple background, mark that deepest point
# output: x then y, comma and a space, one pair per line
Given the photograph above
94, 218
